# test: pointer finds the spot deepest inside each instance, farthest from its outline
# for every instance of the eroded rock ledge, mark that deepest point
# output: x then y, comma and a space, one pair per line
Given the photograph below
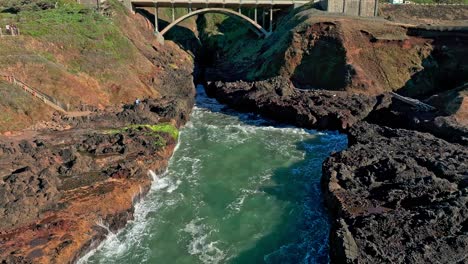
277, 98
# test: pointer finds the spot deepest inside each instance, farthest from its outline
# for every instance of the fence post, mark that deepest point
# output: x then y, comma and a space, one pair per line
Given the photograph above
43, 97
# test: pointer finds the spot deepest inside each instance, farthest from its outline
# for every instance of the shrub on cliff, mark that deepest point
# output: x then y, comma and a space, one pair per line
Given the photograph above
15, 6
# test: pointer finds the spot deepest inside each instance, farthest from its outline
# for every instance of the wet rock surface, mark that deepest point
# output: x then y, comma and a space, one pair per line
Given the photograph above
62, 191
277, 98
399, 196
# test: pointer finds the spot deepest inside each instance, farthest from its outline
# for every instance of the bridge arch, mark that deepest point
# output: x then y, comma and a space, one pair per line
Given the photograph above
259, 30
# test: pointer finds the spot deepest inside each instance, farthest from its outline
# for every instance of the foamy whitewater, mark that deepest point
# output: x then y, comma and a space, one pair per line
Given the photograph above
239, 189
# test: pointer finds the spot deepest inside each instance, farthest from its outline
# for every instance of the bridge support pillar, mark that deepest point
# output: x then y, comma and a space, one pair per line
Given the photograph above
160, 38
271, 19
173, 11
156, 27
128, 4
263, 17
255, 14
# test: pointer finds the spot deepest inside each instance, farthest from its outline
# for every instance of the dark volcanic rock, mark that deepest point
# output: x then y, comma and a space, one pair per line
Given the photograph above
397, 196
150, 111
401, 115
34, 177
62, 184
276, 98
24, 193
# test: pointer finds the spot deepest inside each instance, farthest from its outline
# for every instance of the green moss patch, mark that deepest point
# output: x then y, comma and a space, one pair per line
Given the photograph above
168, 128
154, 131
158, 128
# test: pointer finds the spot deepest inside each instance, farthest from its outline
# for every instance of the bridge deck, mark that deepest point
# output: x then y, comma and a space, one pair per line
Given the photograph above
217, 3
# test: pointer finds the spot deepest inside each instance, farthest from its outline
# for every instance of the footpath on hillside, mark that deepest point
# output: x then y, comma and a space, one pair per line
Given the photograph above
46, 99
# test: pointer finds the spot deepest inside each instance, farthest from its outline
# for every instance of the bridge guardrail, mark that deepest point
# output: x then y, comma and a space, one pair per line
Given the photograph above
426, 4
43, 97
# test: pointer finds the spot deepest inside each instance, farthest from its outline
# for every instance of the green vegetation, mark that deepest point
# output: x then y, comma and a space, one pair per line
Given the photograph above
154, 131
15, 105
221, 35
166, 13
93, 41
222, 32
159, 128
77, 26
16, 6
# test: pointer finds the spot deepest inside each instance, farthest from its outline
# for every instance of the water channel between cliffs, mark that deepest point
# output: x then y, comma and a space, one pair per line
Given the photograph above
239, 189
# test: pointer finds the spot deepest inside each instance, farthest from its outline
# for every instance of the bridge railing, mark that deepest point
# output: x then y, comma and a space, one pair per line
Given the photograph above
149, 3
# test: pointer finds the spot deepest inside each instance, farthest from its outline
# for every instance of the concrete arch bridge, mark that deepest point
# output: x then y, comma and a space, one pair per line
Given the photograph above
230, 8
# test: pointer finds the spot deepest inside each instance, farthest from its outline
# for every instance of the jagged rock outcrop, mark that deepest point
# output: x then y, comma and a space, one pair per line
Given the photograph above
448, 121
59, 189
397, 195
277, 98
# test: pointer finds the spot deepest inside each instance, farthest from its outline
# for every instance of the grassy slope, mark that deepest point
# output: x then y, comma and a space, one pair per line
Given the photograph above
80, 57
71, 44
17, 108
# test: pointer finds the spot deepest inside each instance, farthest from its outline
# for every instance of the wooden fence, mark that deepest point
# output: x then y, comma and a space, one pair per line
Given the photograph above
41, 96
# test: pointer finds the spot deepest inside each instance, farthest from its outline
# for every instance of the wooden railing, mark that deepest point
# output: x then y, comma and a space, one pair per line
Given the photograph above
41, 96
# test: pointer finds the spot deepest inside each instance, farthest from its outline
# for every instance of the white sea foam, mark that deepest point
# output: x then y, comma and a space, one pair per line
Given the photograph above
237, 204
253, 188
200, 244
113, 247
153, 175
192, 166
231, 130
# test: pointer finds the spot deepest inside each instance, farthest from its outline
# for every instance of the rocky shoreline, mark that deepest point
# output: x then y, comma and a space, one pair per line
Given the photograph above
67, 181
399, 192
395, 194
63, 191
278, 99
